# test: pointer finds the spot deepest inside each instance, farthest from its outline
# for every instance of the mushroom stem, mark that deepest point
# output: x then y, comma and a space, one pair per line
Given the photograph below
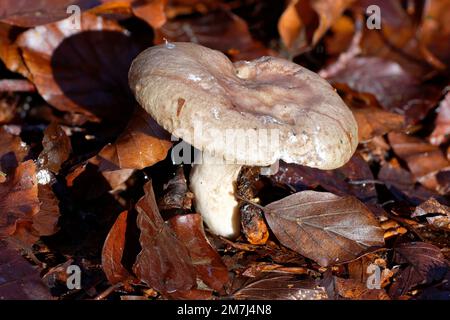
214, 186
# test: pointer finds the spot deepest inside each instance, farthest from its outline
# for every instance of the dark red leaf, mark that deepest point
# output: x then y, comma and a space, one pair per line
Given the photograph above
164, 263
207, 262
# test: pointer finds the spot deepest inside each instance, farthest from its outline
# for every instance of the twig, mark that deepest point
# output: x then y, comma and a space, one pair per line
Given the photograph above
16, 85
108, 291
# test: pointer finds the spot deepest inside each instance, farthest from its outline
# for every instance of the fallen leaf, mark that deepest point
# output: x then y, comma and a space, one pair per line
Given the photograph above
219, 29
324, 227
57, 148
12, 151
354, 178
207, 262
19, 280
355, 290
113, 250
423, 159
425, 264
142, 144
9, 51
92, 80
45, 222
164, 263
274, 286
437, 214
304, 22
394, 87
18, 198
441, 133
176, 194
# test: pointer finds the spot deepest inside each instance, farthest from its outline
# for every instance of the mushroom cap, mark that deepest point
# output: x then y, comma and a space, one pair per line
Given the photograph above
184, 86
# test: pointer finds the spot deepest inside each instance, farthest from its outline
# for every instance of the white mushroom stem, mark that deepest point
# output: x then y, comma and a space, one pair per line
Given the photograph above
214, 186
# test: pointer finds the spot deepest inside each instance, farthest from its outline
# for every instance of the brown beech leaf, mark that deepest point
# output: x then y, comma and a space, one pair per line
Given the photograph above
441, 133
164, 263
207, 262
371, 118
355, 290
436, 213
304, 22
425, 264
324, 227
12, 151
9, 52
45, 222
18, 198
57, 148
275, 286
142, 144
423, 159
219, 29
353, 178
401, 184
385, 79
434, 31
176, 194
92, 80
19, 280
112, 252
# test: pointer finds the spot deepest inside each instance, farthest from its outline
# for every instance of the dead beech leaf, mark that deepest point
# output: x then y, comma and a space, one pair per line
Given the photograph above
441, 133
425, 264
423, 159
45, 222
275, 286
324, 227
355, 290
176, 194
207, 262
92, 80
9, 52
304, 22
219, 29
12, 151
112, 252
142, 144
151, 11
164, 263
385, 79
437, 214
27, 13
18, 198
19, 280
351, 179
57, 148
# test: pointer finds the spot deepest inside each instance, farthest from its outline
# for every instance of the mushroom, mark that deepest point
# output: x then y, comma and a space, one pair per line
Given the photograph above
200, 96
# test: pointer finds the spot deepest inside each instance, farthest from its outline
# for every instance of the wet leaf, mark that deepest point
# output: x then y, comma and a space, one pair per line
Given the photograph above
164, 263
19, 280
113, 250
207, 262
57, 148
142, 144
324, 227
273, 286
425, 264
12, 151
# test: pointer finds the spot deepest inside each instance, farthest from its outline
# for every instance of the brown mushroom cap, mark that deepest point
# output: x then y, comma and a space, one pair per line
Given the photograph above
182, 85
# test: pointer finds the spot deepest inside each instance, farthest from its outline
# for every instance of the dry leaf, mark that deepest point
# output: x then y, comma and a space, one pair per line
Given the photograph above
164, 263
57, 148
324, 227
